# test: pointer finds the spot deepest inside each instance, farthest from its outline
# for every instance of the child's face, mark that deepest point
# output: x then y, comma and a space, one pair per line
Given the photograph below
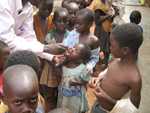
4, 53
73, 53
72, 9
115, 49
60, 21
45, 8
81, 25
20, 100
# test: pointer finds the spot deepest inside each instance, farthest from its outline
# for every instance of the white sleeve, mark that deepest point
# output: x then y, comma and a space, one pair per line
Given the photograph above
8, 35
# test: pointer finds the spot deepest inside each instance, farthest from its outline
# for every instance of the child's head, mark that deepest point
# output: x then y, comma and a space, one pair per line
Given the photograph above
4, 52
84, 20
60, 110
20, 89
45, 8
60, 19
85, 3
72, 8
126, 40
93, 42
81, 52
25, 58
135, 17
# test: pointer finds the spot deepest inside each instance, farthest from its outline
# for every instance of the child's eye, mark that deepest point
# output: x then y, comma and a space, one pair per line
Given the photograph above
18, 102
33, 100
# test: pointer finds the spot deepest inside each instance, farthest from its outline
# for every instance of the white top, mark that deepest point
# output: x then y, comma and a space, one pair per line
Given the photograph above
16, 28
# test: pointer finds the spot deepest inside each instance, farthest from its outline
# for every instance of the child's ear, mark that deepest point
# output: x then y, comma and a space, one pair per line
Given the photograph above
125, 50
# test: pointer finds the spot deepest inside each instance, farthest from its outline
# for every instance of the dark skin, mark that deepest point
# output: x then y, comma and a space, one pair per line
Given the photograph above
60, 25
122, 76
74, 58
72, 9
22, 99
4, 53
45, 9
83, 27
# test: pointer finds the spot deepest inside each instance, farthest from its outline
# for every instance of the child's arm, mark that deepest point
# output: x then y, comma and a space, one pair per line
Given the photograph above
135, 95
93, 60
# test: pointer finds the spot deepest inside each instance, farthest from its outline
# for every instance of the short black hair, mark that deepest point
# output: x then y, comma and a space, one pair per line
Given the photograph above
88, 15
25, 58
135, 17
128, 35
58, 11
3, 45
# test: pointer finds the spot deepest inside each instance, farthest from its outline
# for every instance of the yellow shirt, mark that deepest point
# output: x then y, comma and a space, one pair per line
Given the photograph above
97, 4
3, 107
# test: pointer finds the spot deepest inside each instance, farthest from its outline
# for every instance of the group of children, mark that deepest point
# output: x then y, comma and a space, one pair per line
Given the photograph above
82, 33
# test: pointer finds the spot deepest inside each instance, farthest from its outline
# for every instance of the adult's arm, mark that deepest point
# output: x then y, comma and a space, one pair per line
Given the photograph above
16, 42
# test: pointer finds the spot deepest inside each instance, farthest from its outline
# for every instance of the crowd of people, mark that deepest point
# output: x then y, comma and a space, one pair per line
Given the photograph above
49, 59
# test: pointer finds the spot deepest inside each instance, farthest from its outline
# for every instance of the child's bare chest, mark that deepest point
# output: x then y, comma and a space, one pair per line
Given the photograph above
115, 83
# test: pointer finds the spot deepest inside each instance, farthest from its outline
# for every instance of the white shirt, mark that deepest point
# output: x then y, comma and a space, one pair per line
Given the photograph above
16, 28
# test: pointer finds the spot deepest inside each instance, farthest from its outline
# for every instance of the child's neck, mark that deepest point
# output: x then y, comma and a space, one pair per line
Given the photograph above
85, 33
72, 64
129, 60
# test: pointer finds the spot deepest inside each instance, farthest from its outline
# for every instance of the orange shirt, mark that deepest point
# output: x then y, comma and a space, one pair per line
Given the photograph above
98, 4
38, 29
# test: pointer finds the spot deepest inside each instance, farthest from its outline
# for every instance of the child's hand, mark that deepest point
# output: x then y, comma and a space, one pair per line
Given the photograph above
102, 95
59, 59
101, 55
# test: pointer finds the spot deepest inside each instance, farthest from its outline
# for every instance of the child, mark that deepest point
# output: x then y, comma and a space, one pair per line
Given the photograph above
30, 59
135, 17
122, 74
57, 34
72, 91
4, 52
26, 58
72, 8
43, 19
84, 21
82, 3
51, 75
60, 110
22, 99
